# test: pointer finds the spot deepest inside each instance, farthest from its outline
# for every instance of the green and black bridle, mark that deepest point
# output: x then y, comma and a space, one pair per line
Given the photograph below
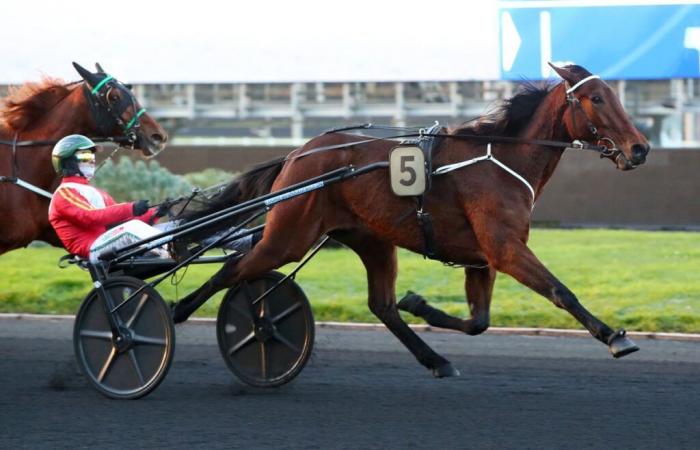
108, 114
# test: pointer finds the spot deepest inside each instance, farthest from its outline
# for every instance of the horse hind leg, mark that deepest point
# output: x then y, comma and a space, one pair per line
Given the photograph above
268, 254
379, 259
479, 288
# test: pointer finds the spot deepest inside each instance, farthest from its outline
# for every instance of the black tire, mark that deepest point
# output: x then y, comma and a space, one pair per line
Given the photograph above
271, 346
138, 370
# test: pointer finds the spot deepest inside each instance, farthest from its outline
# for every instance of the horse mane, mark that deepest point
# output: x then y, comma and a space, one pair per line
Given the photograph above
511, 116
27, 103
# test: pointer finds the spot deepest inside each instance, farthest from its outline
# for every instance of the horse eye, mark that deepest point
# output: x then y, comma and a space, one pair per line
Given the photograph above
597, 99
113, 98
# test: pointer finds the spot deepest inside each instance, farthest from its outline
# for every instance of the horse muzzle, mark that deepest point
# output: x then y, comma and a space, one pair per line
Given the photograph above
639, 153
621, 161
639, 157
152, 144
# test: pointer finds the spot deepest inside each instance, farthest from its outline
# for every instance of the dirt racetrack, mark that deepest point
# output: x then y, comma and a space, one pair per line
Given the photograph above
361, 389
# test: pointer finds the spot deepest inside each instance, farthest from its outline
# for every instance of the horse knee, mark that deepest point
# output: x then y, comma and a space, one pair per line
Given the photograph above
477, 325
382, 310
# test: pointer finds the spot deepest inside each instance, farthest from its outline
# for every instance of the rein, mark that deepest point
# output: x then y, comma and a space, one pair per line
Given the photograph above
15, 143
576, 144
571, 99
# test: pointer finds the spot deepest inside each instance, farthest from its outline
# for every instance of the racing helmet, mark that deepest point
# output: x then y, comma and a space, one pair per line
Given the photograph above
64, 151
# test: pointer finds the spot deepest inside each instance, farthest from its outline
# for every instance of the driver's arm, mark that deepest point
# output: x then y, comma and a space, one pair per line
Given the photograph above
77, 209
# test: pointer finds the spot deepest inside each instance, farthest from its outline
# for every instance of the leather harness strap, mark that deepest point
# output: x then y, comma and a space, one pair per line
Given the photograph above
428, 139
425, 220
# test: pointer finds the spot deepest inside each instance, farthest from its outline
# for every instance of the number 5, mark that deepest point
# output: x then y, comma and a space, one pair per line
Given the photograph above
406, 170
405, 159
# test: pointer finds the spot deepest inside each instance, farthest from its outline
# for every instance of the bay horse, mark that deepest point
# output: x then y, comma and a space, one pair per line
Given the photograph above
35, 116
481, 213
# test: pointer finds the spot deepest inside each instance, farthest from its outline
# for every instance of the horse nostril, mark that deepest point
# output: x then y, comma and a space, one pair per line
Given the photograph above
157, 138
639, 153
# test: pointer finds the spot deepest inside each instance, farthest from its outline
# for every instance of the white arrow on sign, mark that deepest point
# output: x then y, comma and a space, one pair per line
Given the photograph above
692, 39
510, 41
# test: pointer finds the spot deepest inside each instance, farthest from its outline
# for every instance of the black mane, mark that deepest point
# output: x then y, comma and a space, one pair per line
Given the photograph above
511, 116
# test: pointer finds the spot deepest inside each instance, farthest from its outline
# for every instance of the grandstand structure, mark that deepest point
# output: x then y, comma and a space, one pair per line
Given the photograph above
234, 79
287, 114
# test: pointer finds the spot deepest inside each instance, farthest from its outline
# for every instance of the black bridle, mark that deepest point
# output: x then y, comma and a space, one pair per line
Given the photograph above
108, 115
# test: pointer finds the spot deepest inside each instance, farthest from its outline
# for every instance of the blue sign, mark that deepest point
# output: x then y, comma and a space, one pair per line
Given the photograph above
616, 42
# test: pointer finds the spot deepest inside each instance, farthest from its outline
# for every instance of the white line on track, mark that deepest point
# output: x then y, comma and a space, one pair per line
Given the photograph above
425, 328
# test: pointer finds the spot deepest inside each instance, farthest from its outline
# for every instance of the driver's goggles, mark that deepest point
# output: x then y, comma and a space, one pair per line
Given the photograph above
85, 156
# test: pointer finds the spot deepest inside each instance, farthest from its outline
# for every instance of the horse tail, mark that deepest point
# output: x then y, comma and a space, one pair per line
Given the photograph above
246, 186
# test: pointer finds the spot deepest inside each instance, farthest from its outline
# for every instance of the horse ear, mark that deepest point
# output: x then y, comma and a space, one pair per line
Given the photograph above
571, 74
562, 72
99, 68
89, 77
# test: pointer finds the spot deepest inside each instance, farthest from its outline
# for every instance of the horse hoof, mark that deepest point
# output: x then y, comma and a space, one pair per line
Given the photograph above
411, 302
445, 370
620, 345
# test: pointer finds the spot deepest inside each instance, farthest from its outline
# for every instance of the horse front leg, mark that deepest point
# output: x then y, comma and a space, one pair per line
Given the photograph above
479, 288
518, 261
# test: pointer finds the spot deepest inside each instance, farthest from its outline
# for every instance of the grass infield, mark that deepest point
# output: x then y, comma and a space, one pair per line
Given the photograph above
637, 280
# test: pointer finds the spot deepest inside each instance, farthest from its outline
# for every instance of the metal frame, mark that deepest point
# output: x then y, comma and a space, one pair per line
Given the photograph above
124, 258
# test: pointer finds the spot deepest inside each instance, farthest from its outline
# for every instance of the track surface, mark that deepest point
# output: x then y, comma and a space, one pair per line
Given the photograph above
361, 389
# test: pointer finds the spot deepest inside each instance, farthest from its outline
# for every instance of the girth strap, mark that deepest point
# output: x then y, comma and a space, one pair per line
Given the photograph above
427, 141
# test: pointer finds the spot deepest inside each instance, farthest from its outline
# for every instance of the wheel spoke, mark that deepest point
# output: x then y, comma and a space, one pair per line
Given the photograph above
245, 341
137, 368
264, 311
248, 297
137, 311
263, 360
145, 340
286, 312
107, 364
104, 335
277, 335
243, 311
264, 303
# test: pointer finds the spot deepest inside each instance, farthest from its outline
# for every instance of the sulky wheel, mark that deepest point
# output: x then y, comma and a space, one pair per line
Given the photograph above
132, 365
266, 344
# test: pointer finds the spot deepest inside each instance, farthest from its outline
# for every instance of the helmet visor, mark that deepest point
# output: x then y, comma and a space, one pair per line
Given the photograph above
85, 156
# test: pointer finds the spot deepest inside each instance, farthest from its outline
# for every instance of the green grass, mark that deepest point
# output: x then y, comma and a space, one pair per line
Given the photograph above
632, 279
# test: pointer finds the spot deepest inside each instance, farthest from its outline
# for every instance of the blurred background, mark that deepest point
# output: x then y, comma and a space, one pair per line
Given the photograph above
242, 82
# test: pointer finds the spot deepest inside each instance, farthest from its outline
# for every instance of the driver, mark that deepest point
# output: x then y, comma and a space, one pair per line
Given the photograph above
87, 220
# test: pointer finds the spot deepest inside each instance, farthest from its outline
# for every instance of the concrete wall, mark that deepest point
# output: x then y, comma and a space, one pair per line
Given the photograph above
662, 193
584, 191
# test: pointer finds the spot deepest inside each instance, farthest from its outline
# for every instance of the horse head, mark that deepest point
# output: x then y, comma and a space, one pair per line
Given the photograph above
594, 113
116, 111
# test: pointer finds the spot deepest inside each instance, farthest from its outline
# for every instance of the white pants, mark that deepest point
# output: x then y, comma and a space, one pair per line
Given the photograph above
123, 235
136, 230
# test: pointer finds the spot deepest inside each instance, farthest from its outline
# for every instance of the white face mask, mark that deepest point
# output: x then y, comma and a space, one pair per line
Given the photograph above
87, 169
